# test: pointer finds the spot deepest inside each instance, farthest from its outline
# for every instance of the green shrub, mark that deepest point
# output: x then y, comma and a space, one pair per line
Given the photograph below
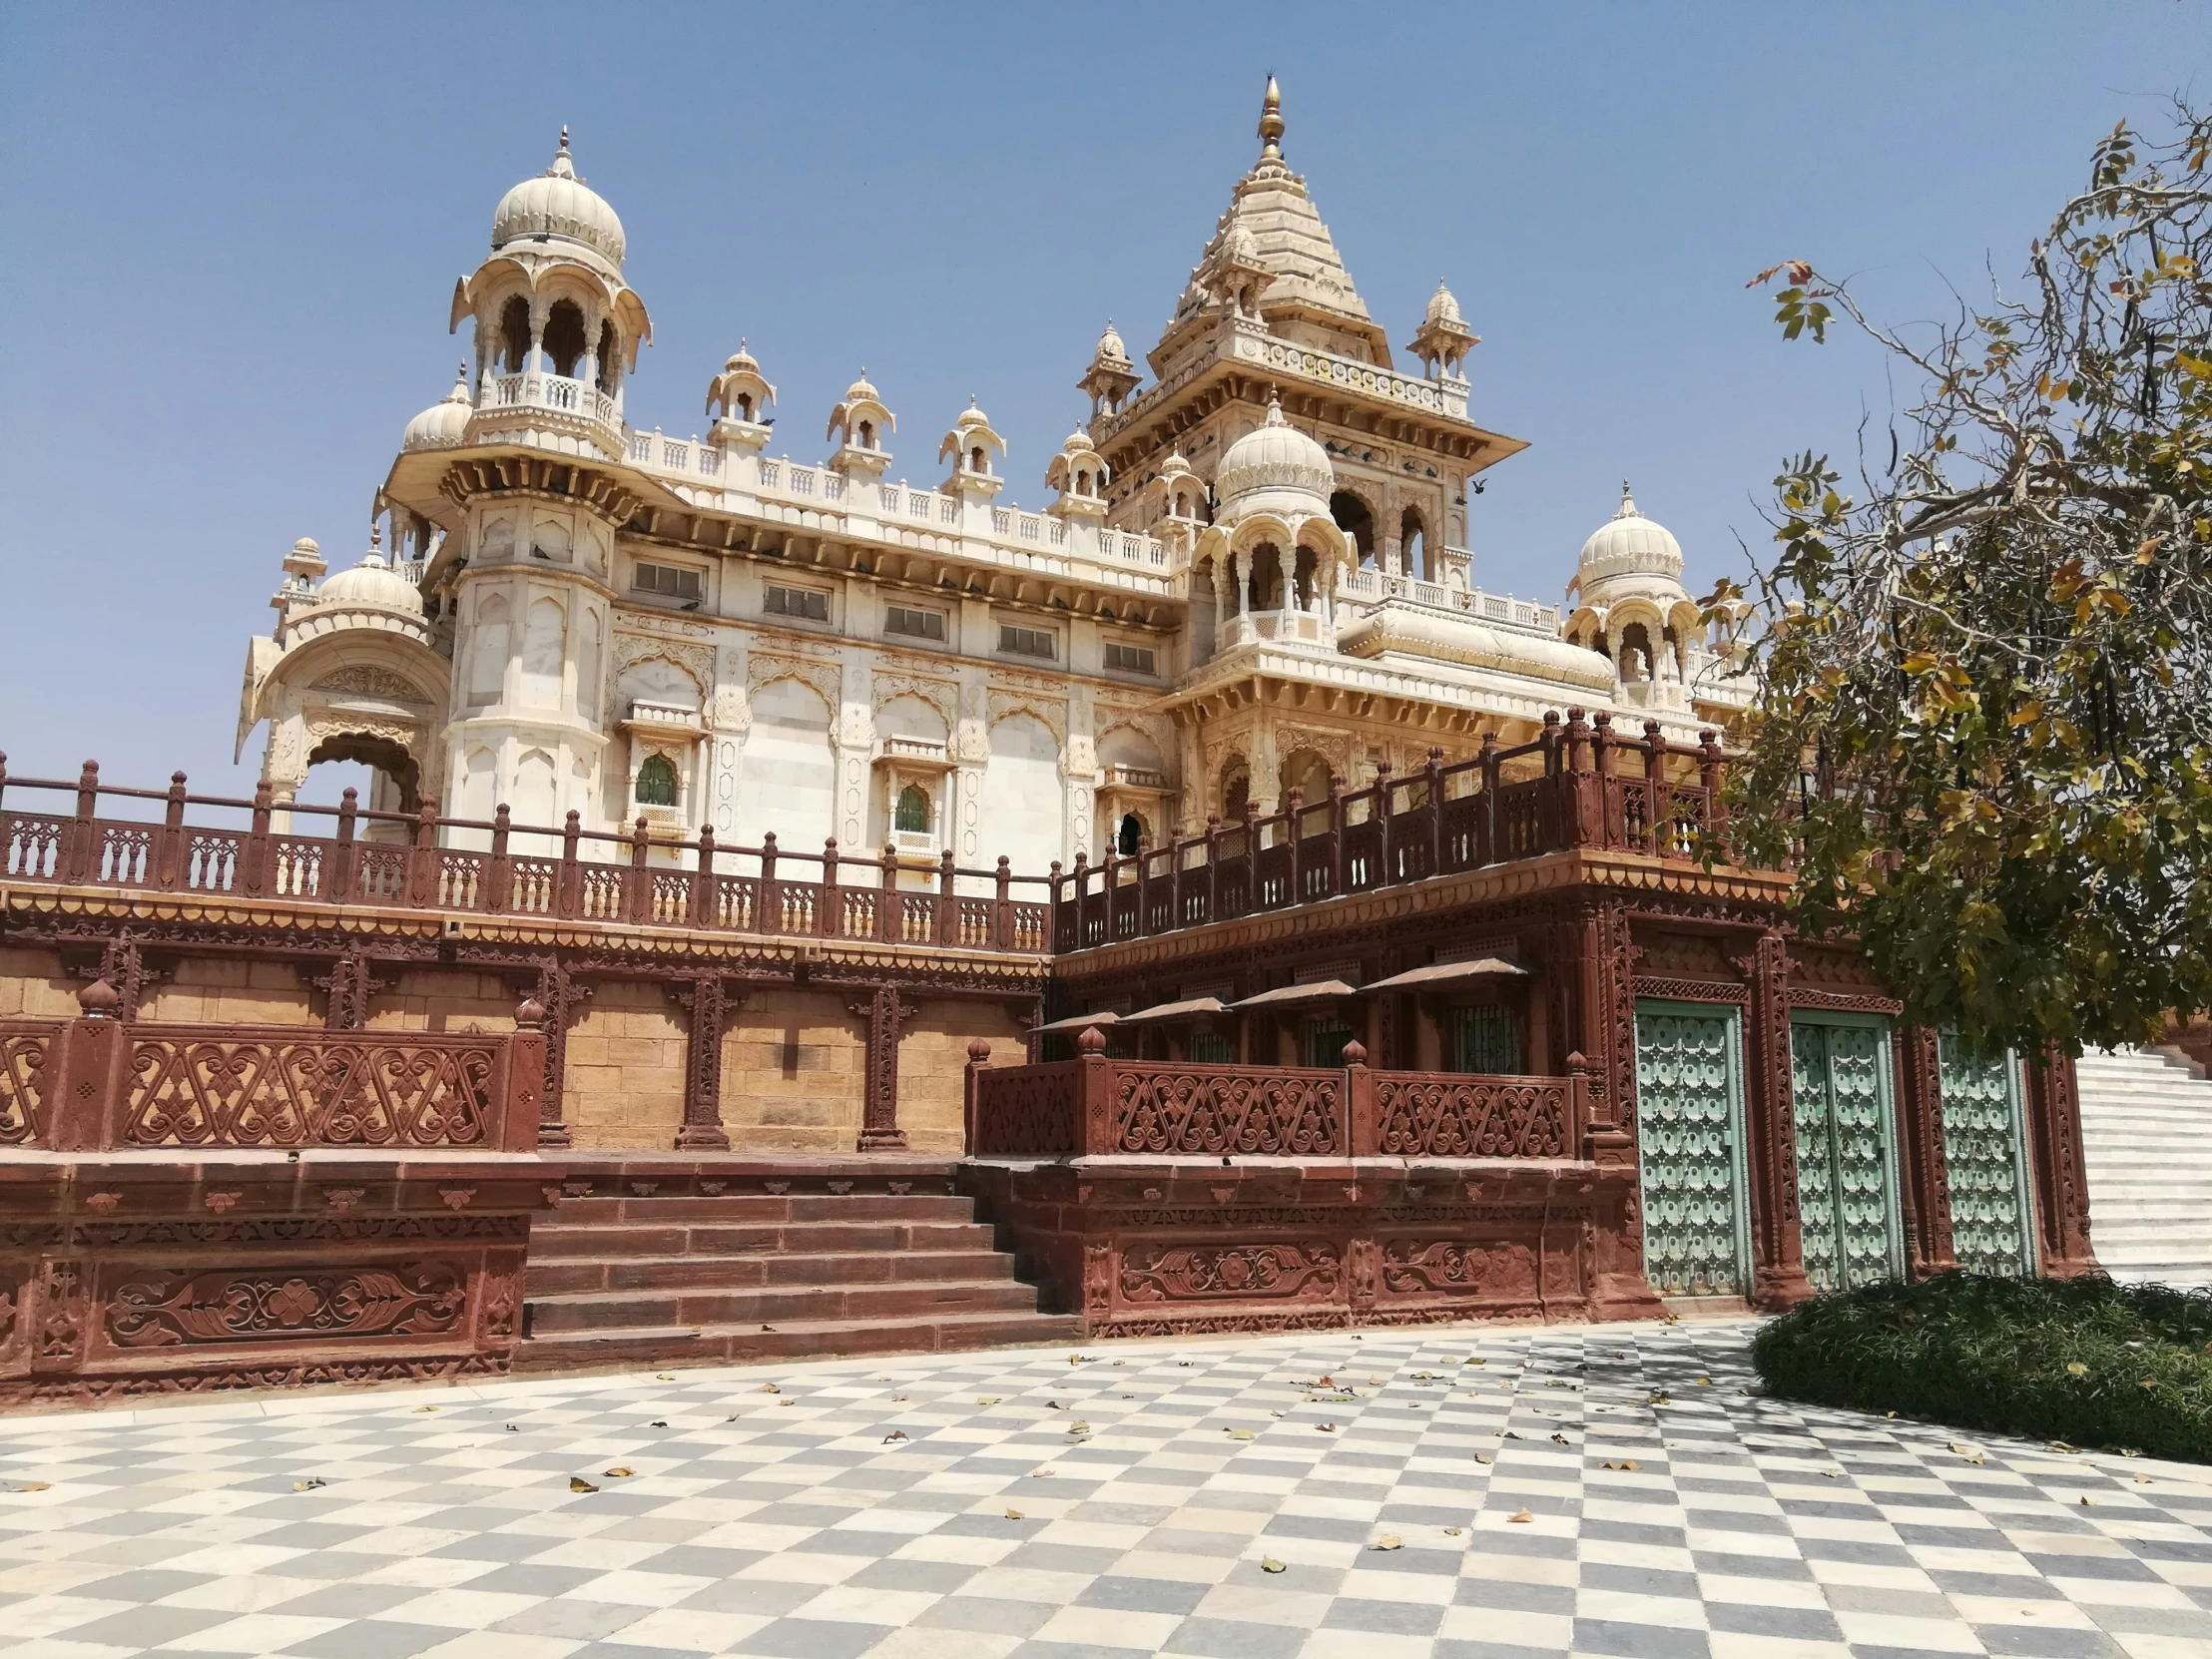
2084, 1360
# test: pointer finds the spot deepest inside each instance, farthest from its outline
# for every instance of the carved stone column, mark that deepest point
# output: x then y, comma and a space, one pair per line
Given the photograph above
1926, 1171
126, 971
349, 988
562, 996
886, 1017
1778, 1267
2061, 1193
708, 1003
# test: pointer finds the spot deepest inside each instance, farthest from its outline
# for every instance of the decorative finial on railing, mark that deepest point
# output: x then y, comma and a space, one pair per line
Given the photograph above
978, 1052
530, 1016
99, 1001
1355, 1053
1092, 1041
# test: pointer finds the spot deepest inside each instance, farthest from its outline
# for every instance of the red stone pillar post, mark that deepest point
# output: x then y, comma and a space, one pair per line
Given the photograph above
707, 1002
1927, 1170
1777, 1258
887, 1016
2061, 1191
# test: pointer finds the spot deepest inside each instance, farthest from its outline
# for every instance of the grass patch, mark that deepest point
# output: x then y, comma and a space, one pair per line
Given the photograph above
2085, 1361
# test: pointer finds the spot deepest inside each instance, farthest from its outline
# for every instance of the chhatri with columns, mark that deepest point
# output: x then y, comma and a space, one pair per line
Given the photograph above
1255, 573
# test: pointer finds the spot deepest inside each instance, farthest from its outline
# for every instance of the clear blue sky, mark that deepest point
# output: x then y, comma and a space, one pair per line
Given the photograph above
231, 233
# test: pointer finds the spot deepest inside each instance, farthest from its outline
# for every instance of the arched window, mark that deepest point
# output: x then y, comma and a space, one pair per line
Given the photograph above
1413, 543
564, 337
975, 460
912, 816
609, 350
744, 405
1131, 836
868, 435
1082, 483
1354, 519
657, 782
514, 334
1635, 651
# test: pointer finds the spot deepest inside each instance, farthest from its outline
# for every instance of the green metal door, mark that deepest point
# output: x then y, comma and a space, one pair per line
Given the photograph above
1849, 1223
1983, 1148
1690, 1148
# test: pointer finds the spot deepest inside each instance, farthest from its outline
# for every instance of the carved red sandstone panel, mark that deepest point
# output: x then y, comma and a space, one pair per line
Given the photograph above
146, 1309
1430, 1267
1029, 1109
1276, 1112
314, 1091
1440, 1115
23, 1052
1201, 1272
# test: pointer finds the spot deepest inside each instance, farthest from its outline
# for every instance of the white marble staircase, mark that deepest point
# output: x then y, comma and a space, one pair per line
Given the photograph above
2146, 1137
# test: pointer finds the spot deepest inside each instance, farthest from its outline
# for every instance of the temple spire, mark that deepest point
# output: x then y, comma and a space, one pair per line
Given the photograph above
1271, 122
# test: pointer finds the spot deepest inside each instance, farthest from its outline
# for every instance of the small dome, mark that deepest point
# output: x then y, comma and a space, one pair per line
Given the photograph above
307, 547
742, 362
1442, 307
1275, 456
1629, 544
970, 417
445, 422
557, 205
1110, 347
1079, 443
373, 583
1175, 467
860, 392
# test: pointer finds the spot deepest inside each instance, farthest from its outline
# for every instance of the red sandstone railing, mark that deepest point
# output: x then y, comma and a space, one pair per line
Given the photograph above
426, 861
1564, 790
97, 1084
1096, 1106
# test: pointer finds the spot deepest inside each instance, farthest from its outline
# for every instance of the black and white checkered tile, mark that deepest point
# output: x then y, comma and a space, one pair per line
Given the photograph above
1432, 1494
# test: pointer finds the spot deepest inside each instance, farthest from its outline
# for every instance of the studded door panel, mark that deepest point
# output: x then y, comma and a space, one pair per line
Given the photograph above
1689, 1117
1981, 1148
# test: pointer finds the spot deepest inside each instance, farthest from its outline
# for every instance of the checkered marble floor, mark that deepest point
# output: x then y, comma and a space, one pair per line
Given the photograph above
1448, 1493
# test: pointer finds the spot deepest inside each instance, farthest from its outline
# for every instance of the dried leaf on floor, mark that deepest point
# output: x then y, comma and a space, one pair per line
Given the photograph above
1269, 1564
1521, 1516
1390, 1540
577, 1483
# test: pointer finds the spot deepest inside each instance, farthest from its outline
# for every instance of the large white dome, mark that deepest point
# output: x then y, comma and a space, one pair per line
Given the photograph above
557, 206
1629, 544
1275, 456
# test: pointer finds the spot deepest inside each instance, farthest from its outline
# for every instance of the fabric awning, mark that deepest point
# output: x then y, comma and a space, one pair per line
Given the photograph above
1190, 1008
1443, 975
1290, 996
1076, 1023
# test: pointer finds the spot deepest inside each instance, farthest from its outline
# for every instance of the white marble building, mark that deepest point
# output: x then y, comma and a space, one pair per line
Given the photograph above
1254, 572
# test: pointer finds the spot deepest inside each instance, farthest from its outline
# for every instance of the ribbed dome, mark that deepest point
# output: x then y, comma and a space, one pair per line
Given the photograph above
557, 205
971, 417
445, 422
1629, 544
1275, 457
1110, 347
1443, 307
374, 583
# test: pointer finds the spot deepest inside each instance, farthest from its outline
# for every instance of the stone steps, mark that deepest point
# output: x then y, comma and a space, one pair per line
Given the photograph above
2146, 1139
699, 1265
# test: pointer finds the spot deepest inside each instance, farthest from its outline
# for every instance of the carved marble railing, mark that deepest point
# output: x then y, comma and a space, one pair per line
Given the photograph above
1497, 609
1099, 1106
102, 1084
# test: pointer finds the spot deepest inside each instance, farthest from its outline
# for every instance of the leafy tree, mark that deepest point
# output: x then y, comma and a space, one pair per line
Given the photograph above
1983, 717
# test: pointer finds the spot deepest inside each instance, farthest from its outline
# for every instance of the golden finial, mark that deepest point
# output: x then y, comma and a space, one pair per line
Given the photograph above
1271, 122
